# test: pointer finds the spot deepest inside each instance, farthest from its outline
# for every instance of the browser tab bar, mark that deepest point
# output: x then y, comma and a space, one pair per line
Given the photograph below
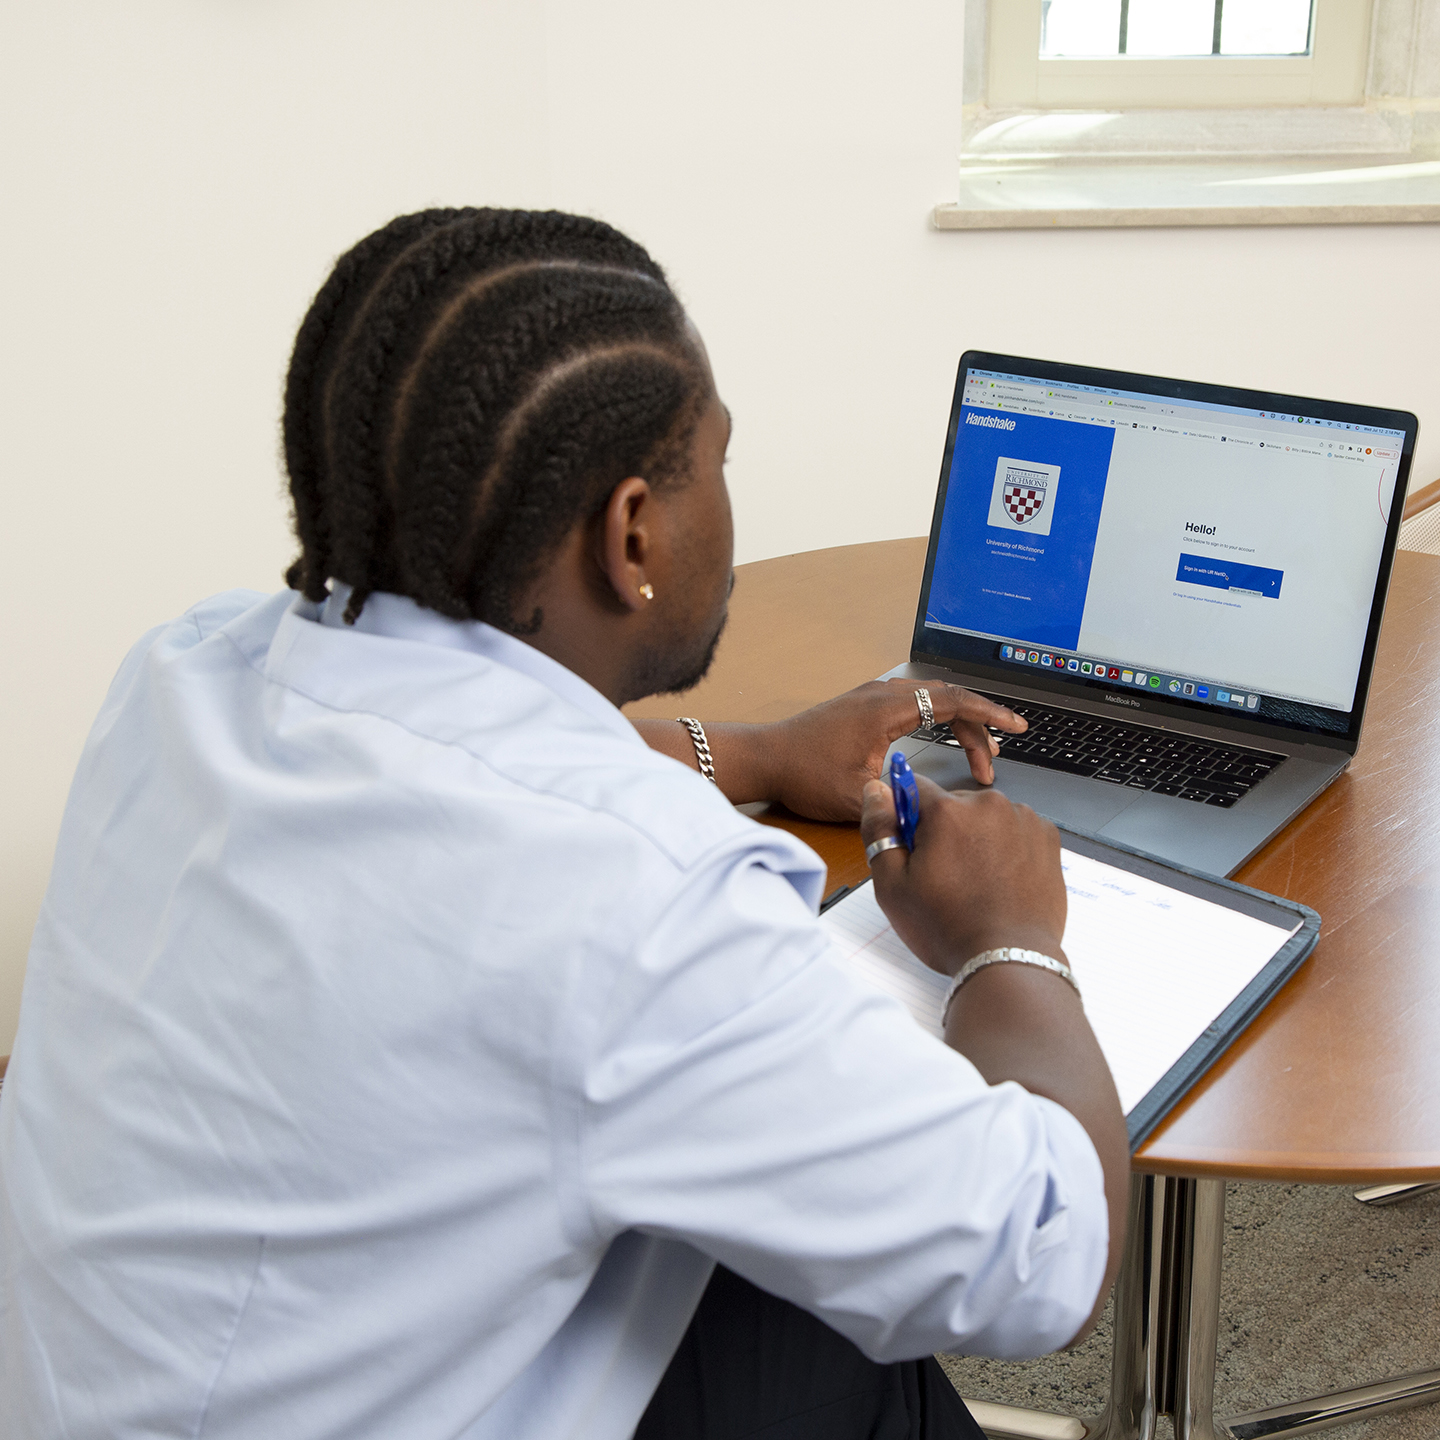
981, 381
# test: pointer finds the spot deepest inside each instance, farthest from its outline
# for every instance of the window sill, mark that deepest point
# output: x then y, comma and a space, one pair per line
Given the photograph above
1035, 194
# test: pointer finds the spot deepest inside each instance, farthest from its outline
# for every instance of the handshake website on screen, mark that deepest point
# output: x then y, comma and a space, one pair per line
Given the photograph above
1223, 556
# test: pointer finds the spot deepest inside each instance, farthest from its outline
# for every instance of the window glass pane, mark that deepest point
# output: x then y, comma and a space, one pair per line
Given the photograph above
1171, 27
1265, 27
1079, 27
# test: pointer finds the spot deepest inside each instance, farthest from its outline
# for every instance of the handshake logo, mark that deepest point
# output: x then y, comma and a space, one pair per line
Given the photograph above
993, 421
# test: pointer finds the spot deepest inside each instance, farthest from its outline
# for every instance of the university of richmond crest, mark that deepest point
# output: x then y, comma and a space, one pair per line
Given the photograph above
1024, 495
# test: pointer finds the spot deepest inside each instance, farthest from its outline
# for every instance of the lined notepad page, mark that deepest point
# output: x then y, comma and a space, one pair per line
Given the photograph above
1155, 966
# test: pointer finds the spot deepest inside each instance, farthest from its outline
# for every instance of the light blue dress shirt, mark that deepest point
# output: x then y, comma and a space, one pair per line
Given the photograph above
403, 1040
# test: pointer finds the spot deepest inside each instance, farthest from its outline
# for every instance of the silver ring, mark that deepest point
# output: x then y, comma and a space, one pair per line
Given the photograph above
927, 711
886, 842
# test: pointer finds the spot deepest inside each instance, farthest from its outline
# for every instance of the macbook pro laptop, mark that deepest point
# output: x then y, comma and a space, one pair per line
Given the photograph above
1180, 587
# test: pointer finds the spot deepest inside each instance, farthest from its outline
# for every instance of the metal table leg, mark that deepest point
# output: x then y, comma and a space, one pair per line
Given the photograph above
1167, 1312
1392, 1194
1201, 1210
1341, 1407
1137, 1360
1200, 1237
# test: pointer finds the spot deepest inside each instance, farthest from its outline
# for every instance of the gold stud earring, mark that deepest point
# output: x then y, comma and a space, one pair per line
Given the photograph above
648, 591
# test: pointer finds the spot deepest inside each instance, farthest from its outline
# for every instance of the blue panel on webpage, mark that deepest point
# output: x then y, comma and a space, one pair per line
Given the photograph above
1018, 533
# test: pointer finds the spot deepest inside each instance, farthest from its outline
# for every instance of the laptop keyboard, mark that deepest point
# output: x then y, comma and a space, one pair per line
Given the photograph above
1131, 755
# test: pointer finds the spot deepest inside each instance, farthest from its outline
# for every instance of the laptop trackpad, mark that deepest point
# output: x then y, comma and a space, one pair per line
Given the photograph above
1071, 799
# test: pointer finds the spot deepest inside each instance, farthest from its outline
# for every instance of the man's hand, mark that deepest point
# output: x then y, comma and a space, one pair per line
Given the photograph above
822, 757
985, 872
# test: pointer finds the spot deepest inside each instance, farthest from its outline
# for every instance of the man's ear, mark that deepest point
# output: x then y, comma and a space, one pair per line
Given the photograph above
626, 540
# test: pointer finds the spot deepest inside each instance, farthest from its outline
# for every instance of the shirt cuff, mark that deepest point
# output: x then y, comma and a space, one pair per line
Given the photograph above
1066, 1253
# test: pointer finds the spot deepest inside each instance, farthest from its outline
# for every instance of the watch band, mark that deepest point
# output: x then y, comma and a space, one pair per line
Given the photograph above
1007, 955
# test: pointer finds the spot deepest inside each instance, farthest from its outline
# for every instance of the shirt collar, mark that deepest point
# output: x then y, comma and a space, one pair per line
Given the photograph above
398, 617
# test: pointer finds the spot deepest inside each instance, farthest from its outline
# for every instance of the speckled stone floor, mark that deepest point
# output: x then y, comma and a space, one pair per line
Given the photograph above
1318, 1292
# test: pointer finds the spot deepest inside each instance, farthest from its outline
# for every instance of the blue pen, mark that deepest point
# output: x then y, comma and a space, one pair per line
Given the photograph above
907, 797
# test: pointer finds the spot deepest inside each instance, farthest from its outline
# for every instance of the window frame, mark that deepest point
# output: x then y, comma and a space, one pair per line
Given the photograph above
1376, 161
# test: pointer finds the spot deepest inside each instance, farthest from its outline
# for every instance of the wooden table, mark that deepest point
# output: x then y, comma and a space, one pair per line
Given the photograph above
1337, 1081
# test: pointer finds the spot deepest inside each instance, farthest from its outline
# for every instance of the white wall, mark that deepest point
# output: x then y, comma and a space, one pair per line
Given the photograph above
179, 174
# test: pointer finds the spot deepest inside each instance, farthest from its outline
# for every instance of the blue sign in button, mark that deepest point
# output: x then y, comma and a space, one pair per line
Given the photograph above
1230, 575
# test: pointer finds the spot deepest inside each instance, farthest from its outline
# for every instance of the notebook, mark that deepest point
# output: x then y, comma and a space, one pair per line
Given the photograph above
1172, 965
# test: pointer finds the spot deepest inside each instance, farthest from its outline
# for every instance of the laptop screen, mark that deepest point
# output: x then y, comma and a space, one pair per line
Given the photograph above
1186, 544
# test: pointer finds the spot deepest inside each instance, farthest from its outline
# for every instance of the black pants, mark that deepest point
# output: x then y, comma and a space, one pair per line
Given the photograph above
752, 1367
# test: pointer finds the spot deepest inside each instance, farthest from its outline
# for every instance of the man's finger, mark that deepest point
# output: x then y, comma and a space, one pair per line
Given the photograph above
877, 812
979, 751
877, 820
954, 702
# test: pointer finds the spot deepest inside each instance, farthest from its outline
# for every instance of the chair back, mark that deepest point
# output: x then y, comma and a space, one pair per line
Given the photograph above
1421, 499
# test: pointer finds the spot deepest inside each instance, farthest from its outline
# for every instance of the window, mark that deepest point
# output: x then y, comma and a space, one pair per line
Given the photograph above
1175, 27
1176, 54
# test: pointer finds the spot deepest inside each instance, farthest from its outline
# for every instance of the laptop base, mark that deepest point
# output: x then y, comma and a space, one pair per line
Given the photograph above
1217, 841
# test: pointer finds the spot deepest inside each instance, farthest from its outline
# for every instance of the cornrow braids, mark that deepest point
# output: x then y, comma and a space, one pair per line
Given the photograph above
467, 387
302, 441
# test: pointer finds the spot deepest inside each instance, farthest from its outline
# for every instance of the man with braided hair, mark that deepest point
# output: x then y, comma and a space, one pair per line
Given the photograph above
407, 1049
